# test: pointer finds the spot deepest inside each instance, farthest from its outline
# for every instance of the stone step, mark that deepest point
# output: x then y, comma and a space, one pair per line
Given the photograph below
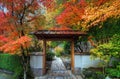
78, 77
59, 77
59, 73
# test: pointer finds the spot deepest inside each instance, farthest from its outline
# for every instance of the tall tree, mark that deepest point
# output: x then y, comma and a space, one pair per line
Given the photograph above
86, 14
17, 19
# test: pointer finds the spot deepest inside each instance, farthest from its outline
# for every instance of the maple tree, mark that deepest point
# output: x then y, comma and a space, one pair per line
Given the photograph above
72, 13
97, 14
84, 15
17, 19
50, 4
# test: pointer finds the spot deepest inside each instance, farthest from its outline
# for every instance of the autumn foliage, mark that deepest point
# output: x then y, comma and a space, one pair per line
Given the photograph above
17, 19
85, 14
98, 14
20, 17
13, 46
72, 13
60, 28
50, 4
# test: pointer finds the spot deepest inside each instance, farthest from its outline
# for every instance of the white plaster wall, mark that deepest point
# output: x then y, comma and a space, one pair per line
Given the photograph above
78, 61
84, 61
36, 61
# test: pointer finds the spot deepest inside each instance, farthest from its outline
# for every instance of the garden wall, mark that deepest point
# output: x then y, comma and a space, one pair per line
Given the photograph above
84, 61
36, 64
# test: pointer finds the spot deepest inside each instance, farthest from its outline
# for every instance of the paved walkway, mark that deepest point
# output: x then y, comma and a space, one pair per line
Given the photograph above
57, 64
58, 71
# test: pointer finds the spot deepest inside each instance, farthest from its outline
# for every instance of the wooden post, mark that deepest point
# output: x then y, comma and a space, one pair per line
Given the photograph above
44, 56
72, 56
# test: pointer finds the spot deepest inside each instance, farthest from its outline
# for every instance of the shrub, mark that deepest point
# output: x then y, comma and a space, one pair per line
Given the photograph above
11, 63
58, 51
50, 55
90, 74
112, 72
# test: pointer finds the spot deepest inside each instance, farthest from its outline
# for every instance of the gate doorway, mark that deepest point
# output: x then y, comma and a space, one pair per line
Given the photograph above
58, 35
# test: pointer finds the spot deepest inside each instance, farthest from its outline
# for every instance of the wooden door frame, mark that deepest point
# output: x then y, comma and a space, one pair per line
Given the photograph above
72, 53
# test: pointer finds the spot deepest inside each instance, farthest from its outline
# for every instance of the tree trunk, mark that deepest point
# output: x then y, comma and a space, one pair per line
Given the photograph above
24, 63
25, 75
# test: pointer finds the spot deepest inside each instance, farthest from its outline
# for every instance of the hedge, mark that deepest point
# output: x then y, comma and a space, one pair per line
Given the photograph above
11, 63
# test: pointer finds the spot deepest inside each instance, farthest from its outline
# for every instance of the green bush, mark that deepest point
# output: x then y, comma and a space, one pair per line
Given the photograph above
58, 51
11, 63
112, 72
90, 74
50, 55
58, 54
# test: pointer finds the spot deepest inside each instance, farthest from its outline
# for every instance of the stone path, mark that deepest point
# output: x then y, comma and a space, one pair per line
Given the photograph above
58, 71
57, 64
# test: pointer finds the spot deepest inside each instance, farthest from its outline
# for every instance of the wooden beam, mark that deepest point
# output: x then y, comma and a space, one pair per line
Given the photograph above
44, 56
72, 55
58, 39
